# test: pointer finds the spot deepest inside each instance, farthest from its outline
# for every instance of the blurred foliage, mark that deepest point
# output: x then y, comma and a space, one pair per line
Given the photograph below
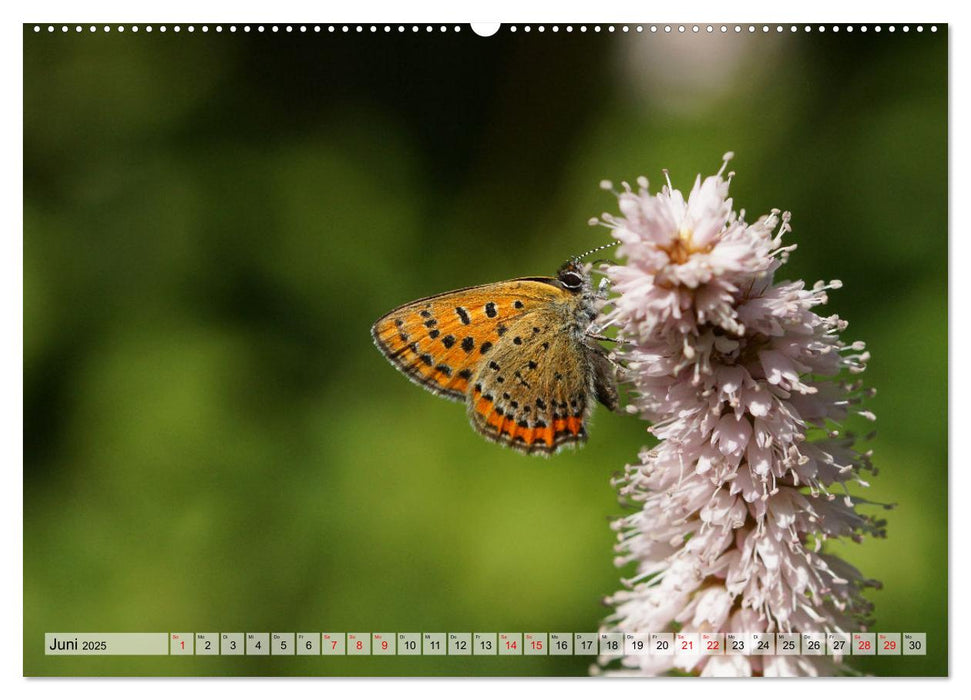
213, 221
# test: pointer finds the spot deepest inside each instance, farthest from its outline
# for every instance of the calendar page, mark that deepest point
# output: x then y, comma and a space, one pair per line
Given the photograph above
512, 349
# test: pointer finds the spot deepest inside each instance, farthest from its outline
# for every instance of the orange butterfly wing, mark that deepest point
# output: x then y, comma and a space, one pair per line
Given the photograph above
515, 351
440, 341
535, 392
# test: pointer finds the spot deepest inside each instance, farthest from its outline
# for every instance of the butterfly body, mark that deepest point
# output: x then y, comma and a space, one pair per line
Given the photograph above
518, 353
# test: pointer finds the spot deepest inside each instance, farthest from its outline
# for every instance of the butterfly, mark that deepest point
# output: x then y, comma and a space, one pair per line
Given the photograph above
521, 354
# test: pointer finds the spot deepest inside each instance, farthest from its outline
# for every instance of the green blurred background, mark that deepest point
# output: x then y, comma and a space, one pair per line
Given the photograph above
213, 221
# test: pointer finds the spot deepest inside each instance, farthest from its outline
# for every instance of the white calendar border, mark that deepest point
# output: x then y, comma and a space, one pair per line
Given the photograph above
11, 651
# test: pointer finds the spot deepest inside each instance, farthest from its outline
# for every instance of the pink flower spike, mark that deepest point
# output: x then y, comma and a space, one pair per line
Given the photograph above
745, 386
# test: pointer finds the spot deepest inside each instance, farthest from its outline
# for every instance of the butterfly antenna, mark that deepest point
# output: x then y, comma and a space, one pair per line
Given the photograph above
597, 249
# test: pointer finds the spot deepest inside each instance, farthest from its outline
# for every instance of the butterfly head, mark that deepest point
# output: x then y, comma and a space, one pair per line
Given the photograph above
572, 276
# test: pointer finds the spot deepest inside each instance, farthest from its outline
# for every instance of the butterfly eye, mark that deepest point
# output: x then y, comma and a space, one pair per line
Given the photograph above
571, 280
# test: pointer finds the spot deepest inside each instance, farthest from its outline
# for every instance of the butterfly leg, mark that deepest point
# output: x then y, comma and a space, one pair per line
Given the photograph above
599, 336
603, 289
606, 365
